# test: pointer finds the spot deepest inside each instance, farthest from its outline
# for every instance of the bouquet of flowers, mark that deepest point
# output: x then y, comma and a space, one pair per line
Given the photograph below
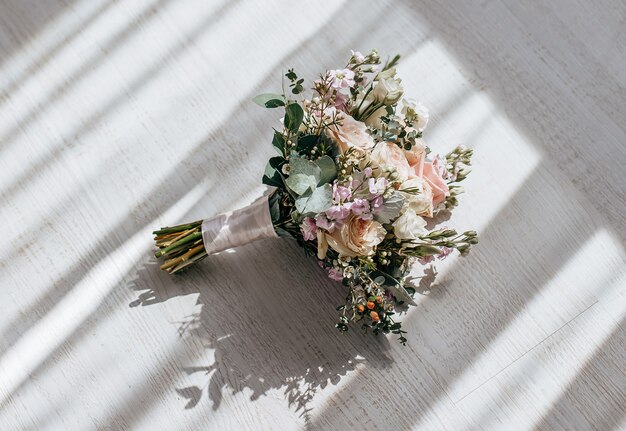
353, 183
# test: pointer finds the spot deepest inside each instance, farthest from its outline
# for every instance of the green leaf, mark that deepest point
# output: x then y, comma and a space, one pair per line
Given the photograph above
319, 201
271, 175
293, 116
327, 168
269, 100
274, 103
400, 293
306, 143
300, 183
279, 142
390, 209
274, 208
298, 165
394, 287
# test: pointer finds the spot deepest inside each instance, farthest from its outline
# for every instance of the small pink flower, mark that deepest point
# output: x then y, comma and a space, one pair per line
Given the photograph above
360, 207
334, 274
322, 222
367, 172
341, 78
341, 193
341, 102
309, 229
338, 212
377, 186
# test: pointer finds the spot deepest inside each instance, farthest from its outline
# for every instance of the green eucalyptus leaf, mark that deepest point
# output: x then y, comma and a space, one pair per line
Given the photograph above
278, 141
298, 165
271, 176
300, 184
327, 168
269, 100
319, 201
294, 114
394, 287
400, 293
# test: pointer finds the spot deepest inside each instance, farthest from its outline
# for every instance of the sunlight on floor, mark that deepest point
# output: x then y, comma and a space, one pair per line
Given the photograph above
568, 294
70, 312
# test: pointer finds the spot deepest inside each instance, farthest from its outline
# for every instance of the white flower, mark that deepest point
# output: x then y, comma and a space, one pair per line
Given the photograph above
415, 113
418, 196
409, 225
388, 89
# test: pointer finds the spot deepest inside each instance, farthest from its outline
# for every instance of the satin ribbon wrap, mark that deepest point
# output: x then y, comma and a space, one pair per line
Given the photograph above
239, 227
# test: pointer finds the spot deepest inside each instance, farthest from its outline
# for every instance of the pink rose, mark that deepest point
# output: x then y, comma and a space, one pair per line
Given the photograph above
388, 155
436, 182
351, 134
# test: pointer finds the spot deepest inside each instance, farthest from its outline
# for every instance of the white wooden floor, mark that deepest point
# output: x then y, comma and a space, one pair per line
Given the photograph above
119, 117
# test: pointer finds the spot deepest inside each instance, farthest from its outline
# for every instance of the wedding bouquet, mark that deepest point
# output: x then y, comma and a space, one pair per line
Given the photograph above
353, 183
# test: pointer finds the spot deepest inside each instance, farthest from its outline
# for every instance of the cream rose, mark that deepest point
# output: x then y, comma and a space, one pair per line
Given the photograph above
356, 237
415, 113
409, 225
351, 134
388, 155
388, 89
418, 197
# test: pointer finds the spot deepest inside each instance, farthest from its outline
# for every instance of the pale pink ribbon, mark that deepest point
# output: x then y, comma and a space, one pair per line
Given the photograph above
239, 227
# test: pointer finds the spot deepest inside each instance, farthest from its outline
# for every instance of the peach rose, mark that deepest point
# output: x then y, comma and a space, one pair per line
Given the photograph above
388, 155
415, 157
351, 133
436, 182
356, 237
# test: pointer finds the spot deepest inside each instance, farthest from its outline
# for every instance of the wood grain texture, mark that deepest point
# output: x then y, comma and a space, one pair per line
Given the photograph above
119, 118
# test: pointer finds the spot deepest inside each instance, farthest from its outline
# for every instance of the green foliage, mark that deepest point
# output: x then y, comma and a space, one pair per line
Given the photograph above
327, 168
319, 201
272, 176
301, 184
294, 114
269, 100
278, 141
299, 165
295, 83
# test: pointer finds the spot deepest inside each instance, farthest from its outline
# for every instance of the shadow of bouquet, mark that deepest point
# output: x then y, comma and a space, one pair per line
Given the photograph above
267, 314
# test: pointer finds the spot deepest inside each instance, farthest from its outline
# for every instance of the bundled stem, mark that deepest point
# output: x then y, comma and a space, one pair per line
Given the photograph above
180, 246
